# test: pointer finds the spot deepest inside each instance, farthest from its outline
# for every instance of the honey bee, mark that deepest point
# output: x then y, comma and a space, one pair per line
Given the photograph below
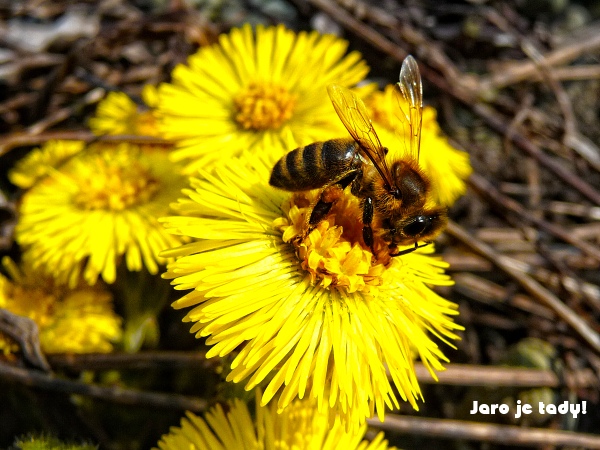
395, 197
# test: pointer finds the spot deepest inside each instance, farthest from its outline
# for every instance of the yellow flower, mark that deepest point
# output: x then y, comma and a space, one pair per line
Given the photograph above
40, 162
100, 206
255, 91
447, 167
299, 427
119, 114
312, 316
80, 320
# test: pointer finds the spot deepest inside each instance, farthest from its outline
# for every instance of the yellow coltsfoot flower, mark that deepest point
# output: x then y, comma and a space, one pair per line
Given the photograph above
315, 315
99, 207
42, 161
299, 427
118, 114
446, 166
79, 320
254, 91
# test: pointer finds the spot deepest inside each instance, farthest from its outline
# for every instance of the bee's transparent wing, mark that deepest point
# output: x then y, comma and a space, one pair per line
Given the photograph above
409, 93
355, 117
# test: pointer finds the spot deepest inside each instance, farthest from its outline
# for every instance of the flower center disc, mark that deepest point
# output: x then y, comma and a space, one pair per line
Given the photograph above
263, 106
334, 253
118, 182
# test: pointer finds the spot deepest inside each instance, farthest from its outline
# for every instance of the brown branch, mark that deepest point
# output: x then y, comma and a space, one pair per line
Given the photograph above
64, 113
426, 50
37, 380
513, 268
585, 148
170, 360
488, 190
476, 375
454, 374
575, 286
504, 434
588, 42
585, 72
12, 70
488, 292
24, 139
373, 37
574, 209
535, 55
572, 137
472, 285
499, 124
24, 332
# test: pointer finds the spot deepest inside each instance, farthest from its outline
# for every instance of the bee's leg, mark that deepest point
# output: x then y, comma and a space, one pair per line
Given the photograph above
319, 212
367, 218
410, 250
328, 197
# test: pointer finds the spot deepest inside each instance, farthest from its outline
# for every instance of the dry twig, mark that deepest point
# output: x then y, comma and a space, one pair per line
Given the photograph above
513, 268
23, 139
118, 395
486, 188
170, 360
24, 332
587, 41
503, 434
476, 375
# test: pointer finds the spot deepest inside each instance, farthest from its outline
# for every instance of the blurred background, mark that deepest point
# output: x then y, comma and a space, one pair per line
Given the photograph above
515, 83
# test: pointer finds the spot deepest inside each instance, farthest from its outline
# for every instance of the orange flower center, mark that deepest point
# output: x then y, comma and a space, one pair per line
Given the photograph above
145, 124
334, 253
115, 180
263, 106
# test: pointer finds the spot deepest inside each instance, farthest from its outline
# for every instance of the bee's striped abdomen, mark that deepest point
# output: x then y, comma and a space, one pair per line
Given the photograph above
316, 165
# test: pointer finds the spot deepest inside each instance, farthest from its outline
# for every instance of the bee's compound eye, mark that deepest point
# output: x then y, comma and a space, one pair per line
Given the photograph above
418, 226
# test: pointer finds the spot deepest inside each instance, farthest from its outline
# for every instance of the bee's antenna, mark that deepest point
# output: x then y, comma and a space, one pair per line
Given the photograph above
410, 250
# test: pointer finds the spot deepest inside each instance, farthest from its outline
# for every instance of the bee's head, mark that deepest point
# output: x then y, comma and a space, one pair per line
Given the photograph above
422, 226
